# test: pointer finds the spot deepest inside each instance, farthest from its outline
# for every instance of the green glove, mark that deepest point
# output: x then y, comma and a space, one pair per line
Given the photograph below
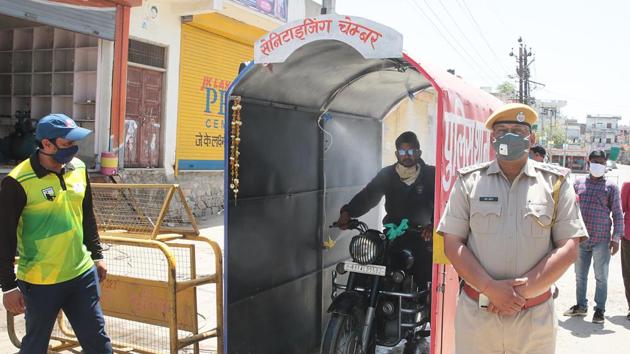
393, 230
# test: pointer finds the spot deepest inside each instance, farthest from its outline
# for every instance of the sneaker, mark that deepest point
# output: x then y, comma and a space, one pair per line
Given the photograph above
575, 311
598, 316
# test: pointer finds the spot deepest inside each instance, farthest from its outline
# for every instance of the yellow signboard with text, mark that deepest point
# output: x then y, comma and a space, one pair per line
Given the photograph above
209, 62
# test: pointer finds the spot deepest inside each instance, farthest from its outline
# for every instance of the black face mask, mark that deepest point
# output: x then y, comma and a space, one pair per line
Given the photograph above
511, 146
63, 156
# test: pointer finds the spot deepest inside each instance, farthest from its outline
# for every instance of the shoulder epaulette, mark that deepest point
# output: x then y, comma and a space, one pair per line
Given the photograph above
472, 168
555, 169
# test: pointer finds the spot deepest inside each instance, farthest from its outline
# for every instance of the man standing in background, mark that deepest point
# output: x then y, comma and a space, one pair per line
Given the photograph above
537, 153
598, 199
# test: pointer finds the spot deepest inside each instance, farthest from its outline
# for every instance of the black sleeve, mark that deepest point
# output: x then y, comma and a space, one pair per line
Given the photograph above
91, 240
12, 200
369, 196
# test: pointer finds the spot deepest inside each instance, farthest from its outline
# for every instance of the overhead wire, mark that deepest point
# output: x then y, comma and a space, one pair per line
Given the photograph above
503, 74
451, 41
462, 4
487, 69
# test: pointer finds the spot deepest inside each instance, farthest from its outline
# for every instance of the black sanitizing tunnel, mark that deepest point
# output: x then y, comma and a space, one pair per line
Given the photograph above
311, 137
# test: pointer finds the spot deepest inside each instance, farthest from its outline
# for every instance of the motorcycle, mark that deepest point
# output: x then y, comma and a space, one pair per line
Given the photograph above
380, 303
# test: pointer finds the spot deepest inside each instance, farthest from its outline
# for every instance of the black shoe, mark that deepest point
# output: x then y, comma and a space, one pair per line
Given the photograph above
598, 316
628, 316
575, 311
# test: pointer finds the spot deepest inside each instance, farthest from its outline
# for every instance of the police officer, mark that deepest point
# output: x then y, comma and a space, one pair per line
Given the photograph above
48, 217
511, 228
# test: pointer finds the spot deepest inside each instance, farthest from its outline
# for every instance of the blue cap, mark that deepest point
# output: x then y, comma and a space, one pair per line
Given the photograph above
59, 125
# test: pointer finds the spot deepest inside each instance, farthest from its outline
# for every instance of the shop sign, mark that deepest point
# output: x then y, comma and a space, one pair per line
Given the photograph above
273, 8
371, 39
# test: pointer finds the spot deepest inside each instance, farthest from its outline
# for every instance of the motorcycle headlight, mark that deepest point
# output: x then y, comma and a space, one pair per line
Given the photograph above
366, 248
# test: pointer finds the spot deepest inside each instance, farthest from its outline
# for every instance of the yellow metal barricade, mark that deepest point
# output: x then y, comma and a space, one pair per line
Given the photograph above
154, 253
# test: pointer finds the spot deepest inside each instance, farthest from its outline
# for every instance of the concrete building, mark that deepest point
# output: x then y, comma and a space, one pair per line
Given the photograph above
190, 51
574, 131
549, 113
603, 131
157, 103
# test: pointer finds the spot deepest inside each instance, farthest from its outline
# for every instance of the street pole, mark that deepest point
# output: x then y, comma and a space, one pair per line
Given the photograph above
522, 70
520, 73
328, 7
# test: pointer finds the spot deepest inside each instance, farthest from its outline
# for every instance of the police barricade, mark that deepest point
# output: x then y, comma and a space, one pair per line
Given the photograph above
157, 264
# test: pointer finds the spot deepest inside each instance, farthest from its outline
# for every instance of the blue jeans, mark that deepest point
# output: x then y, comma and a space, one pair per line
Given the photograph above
79, 300
600, 253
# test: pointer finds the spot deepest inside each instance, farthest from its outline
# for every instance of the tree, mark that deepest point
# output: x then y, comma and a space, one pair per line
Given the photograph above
556, 134
506, 89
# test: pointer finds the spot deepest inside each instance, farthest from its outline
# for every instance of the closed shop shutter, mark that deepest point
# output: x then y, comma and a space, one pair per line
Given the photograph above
96, 22
209, 63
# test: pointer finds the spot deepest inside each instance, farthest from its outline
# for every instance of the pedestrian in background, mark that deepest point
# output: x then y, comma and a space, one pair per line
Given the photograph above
511, 228
625, 242
537, 153
598, 199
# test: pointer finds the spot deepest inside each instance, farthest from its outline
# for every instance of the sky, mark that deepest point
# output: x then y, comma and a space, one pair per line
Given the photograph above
580, 48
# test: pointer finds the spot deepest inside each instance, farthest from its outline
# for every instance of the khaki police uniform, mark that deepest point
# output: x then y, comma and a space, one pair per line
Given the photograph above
498, 222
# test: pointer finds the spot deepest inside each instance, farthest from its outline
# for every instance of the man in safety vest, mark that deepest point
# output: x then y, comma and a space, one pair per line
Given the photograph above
48, 218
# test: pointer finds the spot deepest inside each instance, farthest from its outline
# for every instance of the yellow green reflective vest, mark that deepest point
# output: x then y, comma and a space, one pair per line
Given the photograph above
50, 229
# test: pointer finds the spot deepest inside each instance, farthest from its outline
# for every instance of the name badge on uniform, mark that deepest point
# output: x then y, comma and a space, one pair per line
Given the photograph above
488, 199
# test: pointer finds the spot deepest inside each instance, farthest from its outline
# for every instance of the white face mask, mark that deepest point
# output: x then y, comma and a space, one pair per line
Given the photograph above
597, 170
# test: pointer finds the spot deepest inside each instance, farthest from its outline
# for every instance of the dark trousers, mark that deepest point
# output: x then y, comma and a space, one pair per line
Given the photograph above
422, 254
79, 300
625, 267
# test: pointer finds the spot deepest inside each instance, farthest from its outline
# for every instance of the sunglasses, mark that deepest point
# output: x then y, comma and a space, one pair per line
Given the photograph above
410, 152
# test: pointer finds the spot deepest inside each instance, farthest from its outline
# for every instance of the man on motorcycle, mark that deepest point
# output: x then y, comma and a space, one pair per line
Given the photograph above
408, 187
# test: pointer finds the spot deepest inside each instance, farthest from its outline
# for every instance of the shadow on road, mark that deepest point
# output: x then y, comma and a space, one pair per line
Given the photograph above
582, 328
620, 321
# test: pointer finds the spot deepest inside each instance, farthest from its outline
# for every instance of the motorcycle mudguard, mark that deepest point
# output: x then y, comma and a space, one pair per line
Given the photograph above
344, 302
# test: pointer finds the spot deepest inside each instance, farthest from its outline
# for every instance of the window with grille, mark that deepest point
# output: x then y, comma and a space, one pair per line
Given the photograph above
146, 54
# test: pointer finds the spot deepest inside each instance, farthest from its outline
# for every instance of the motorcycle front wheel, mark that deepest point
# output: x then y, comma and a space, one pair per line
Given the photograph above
343, 334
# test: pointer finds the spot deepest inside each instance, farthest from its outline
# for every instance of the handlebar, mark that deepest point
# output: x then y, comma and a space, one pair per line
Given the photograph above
353, 224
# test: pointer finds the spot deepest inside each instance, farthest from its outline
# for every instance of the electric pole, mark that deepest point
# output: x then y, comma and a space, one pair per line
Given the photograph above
522, 70
328, 7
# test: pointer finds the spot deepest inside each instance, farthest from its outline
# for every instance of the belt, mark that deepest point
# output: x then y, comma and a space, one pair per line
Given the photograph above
529, 303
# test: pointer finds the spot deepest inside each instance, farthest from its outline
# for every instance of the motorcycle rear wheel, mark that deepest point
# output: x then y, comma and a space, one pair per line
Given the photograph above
343, 334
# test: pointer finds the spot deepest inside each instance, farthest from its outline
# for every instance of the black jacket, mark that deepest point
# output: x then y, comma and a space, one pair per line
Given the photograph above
414, 202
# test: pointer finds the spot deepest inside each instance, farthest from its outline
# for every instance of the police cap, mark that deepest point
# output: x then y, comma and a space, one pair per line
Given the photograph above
517, 113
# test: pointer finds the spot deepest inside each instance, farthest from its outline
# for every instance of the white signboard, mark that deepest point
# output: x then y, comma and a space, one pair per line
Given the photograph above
369, 38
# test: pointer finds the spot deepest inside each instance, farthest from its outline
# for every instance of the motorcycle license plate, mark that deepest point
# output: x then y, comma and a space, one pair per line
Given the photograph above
370, 269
